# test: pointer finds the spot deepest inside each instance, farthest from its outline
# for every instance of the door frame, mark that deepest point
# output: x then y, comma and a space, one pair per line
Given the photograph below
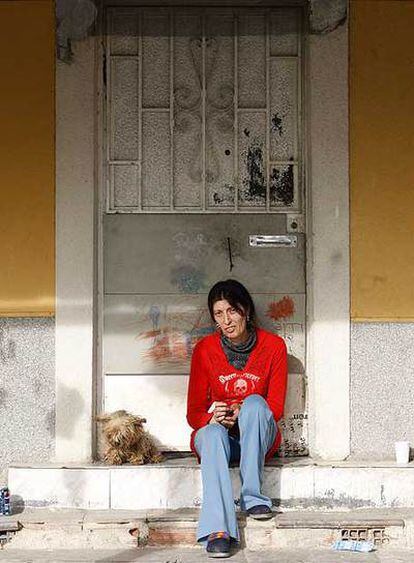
79, 206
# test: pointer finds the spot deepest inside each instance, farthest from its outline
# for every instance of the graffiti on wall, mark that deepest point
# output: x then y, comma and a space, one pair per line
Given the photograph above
173, 335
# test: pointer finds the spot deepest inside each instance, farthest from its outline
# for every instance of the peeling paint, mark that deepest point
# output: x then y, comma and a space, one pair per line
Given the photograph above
73, 22
282, 186
225, 196
255, 181
326, 15
276, 124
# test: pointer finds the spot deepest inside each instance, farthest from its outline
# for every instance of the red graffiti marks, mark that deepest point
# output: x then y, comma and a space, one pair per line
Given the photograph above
281, 309
170, 343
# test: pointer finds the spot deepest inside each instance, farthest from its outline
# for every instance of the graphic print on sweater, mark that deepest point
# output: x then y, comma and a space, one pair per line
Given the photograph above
236, 384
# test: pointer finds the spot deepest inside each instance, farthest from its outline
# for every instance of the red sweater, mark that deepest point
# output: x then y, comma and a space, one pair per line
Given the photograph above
213, 378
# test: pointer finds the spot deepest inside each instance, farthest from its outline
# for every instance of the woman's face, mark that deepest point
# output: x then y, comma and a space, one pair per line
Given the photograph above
230, 321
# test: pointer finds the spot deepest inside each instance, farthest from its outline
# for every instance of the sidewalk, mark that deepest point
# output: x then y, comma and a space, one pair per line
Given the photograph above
195, 555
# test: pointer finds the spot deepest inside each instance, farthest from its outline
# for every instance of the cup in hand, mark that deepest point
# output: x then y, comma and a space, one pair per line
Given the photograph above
402, 452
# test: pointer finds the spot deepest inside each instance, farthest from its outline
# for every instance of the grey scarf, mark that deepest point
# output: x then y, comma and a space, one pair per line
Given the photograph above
238, 354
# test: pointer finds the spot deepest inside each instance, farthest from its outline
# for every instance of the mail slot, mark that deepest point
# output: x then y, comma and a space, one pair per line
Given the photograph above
277, 241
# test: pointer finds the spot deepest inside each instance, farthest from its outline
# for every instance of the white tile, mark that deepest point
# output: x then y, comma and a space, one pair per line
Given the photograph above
296, 483
62, 488
155, 487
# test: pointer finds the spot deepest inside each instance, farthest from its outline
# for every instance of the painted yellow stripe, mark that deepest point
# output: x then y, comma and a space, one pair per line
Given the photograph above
381, 160
27, 158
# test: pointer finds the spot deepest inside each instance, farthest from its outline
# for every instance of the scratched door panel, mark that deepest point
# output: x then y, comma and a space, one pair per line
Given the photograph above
156, 333
188, 253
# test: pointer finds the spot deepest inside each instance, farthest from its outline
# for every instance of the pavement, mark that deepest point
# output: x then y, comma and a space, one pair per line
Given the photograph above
196, 555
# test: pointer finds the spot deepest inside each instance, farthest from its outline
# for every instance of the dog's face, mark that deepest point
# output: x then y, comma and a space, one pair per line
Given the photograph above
121, 428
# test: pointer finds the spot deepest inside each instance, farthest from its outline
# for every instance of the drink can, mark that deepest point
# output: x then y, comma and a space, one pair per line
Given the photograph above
5, 501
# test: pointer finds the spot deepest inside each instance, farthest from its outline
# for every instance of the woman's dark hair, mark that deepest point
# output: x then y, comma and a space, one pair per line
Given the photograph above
236, 294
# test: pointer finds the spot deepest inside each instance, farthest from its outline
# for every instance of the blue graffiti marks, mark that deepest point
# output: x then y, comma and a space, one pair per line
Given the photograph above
188, 279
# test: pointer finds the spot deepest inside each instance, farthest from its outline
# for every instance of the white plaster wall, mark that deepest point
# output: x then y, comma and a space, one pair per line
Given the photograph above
75, 139
328, 266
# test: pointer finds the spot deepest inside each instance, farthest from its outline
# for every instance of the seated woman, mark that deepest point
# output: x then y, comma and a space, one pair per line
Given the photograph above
236, 395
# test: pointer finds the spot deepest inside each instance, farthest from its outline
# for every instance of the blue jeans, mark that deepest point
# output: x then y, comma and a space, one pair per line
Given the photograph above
217, 449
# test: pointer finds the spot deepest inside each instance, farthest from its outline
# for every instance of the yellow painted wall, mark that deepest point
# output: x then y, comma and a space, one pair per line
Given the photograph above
382, 159
27, 156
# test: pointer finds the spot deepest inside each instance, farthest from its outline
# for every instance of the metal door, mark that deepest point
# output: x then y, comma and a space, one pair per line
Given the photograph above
204, 182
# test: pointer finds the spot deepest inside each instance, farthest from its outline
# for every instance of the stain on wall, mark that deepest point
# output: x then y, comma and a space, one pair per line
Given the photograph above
281, 309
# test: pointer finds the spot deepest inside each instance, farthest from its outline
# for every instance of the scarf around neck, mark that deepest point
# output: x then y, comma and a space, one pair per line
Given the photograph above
238, 354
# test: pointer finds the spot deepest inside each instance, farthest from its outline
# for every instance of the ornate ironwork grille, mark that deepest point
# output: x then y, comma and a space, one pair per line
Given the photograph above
203, 110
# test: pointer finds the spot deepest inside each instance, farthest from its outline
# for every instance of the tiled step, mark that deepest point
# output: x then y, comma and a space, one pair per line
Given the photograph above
81, 529
292, 484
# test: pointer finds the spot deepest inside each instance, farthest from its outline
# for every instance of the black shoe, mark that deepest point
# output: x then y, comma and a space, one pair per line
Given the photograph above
260, 512
218, 545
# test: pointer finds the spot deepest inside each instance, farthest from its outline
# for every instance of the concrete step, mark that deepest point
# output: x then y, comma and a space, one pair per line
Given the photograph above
55, 529
291, 483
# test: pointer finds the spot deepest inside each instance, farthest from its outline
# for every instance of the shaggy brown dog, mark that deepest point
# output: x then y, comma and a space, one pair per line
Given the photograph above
127, 441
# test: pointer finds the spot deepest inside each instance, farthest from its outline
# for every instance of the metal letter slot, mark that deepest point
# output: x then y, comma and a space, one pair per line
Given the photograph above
278, 241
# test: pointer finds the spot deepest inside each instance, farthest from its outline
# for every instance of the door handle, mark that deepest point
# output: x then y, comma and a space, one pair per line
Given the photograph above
278, 241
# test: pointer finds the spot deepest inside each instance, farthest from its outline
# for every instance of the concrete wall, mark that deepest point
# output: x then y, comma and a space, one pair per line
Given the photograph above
75, 281
382, 391
328, 256
27, 391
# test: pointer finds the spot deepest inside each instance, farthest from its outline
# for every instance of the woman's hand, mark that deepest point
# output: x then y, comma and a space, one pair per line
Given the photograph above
231, 416
219, 413
225, 415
